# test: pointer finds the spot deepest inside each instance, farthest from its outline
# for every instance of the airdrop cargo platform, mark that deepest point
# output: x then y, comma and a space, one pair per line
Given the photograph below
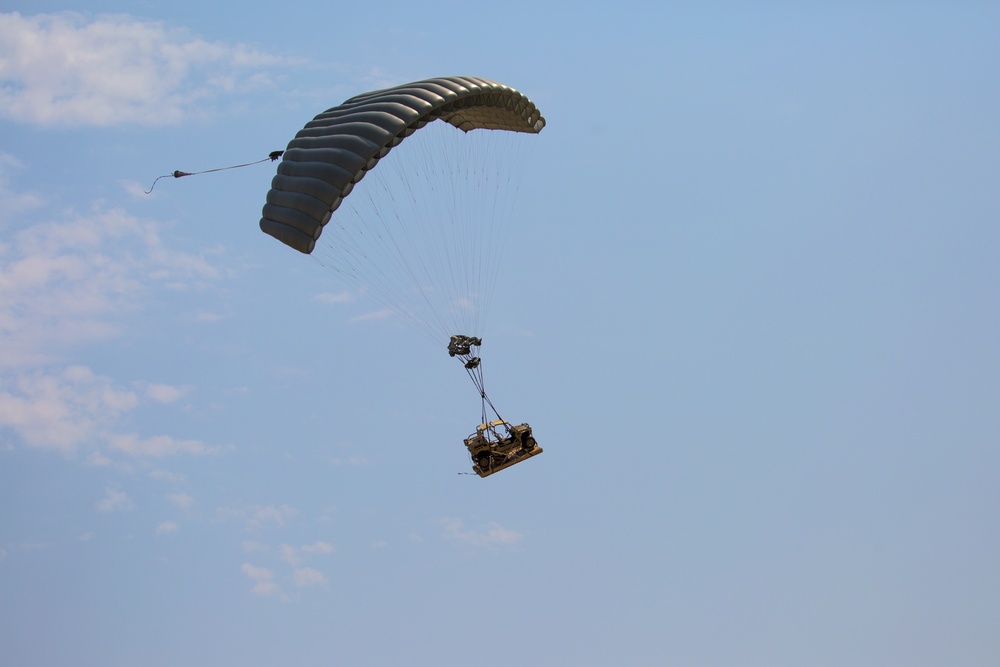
492, 452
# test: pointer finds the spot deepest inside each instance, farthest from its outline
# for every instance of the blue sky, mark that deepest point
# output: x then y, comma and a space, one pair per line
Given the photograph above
749, 306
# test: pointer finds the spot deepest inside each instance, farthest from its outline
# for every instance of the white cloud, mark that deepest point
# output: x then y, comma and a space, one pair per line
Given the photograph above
167, 527
65, 410
330, 297
257, 517
181, 500
292, 555
318, 547
266, 589
15, 202
165, 393
65, 69
263, 580
252, 546
257, 573
156, 446
304, 577
61, 410
167, 476
492, 535
64, 283
98, 459
270, 515
114, 501
289, 554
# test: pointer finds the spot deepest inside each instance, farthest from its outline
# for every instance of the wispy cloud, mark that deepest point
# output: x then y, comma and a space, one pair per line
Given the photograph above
167, 527
263, 579
292, 566
65, 283
491, 535
15, 202
61, 410
318, 547
73, 408
257, 517
166, 476
68, 69
156, 446
181, 500
253, 546
114, 500
165, 393
293, 555
331, 297
264, 583
289, 554
304, 577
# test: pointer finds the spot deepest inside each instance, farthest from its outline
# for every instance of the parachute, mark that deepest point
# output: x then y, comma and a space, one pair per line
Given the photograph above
332, 153
423, 235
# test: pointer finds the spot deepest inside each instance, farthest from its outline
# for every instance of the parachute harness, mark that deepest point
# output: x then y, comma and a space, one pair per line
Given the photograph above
273, 156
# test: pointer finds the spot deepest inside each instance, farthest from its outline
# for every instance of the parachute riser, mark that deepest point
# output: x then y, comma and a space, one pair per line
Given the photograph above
466, 349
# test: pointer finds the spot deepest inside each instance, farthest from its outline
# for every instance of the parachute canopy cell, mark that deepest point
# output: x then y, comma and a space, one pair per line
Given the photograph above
335, 150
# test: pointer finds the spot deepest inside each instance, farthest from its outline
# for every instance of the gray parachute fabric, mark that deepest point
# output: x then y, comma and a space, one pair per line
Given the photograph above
334, 151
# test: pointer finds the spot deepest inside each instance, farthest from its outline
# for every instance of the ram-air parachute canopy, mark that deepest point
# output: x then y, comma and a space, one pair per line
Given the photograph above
337, 148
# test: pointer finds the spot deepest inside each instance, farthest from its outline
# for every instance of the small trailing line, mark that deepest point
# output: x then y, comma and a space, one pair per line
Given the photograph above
274, 155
